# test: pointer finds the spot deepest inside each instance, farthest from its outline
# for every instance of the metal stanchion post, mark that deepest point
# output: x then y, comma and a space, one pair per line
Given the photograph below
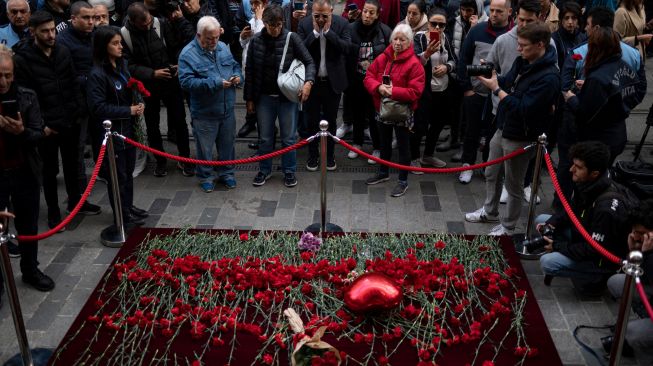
535, 185
631, 268
12, 294
323, 226
114, 235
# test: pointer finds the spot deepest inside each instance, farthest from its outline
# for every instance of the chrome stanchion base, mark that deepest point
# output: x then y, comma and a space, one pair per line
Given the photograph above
40, 356
110, 237
518, 240
329, 228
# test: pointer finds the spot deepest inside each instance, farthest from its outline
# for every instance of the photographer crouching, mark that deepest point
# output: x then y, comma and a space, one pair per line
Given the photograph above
601, 206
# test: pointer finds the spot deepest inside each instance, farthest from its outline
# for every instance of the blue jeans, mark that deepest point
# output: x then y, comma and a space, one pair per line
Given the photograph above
220, 132
559, 265
268, 109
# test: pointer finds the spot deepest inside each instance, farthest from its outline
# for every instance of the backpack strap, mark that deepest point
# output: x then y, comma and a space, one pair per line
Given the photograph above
127, 37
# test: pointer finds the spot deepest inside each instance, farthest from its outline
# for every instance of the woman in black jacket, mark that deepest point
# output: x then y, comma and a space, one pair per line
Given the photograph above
109, 98
263, 96
369, 38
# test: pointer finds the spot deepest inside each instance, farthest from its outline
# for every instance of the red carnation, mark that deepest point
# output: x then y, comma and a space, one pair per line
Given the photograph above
576, 57
244, 237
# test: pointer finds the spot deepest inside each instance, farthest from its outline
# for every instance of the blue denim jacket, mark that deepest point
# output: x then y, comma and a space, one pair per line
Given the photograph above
201, 74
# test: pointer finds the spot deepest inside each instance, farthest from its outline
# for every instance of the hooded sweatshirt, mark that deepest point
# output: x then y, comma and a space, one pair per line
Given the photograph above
461, 28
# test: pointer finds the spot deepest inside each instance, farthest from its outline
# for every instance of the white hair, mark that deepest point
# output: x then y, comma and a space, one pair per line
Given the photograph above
404, 29
25, 1
207, 23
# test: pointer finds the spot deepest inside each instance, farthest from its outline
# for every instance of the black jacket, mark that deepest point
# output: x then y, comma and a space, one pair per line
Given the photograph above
218, 9
257, 61
565, 42
605, 220
52, 78
338, 40
378, 35
109, 98
81, 49
527, 110
28, 105
61, 19
150, 52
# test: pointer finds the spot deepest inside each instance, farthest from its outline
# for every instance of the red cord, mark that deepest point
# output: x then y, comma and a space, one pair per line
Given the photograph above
554, 180
432, 170
212, 162
642, 295
73, 213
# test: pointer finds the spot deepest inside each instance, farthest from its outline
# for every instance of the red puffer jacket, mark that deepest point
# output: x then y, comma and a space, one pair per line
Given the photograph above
407, 76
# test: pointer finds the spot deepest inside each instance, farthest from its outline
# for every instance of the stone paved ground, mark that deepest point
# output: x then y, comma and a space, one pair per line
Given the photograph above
76, 260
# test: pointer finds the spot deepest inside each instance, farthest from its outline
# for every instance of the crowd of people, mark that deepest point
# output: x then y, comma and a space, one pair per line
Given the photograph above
498, 73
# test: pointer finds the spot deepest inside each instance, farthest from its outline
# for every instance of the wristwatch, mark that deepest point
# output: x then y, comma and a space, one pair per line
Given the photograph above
496, 91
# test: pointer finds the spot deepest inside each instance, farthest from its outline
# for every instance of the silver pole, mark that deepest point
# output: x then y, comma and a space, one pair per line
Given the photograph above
12, 294
631, 268
324, 135
115, 188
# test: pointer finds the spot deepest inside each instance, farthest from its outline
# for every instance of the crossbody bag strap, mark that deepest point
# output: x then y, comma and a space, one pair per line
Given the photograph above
285, 49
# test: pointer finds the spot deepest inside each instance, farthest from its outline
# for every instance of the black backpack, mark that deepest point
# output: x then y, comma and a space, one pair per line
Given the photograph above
636, 175
622, 193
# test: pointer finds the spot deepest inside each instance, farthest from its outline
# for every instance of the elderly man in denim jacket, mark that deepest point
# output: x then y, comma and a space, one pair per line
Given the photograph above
208, 71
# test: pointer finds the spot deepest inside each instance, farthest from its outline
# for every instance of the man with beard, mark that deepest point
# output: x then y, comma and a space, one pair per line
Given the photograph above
369, 38
18, 13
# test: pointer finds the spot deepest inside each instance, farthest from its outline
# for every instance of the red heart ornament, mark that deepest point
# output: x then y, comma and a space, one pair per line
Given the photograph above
373, 292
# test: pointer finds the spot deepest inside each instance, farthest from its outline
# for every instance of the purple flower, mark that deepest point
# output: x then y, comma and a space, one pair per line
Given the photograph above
309, 242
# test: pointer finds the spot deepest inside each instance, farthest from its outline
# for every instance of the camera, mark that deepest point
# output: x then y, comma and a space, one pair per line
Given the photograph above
484, 70
535, 244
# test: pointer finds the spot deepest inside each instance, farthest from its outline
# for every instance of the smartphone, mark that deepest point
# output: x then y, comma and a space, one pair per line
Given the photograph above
435, 36
10, 108
352, 7
386, 79
298, 6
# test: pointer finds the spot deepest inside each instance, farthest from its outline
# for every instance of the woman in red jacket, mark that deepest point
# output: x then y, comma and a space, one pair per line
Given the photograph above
404, 82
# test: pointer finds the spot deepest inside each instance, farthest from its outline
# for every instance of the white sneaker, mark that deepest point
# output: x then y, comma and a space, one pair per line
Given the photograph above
504, 196
376, 154
415, 163
353, 154
500, 230
481, 216
466, 176
367, 134
527, 196
343, 130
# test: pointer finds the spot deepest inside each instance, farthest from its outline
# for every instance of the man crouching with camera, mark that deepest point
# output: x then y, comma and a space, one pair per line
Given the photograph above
526, 95
602, 208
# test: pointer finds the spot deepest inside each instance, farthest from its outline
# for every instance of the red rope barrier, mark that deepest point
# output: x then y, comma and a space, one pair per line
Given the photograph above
642, 295
432, 170
554, 179
212, 162
73, 213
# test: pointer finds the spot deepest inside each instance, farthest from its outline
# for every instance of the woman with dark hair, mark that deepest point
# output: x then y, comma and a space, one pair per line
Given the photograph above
630, 23
608, 93
569, 34
435, 107
109, 98
262, 94
416, 16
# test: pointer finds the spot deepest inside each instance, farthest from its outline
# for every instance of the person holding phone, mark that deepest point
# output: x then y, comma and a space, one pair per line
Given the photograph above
21, 128
436, 53
294, 12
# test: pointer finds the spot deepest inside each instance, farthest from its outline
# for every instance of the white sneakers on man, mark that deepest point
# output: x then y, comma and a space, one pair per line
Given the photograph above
376, 154
353, 154
343, 130
500, 230
481, 216
527, 196
466, 176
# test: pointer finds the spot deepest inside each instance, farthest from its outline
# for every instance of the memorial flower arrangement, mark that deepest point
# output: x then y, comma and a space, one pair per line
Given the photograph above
215, 290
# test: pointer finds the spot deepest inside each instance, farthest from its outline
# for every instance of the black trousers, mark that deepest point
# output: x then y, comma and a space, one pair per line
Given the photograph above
363, 114
125, 162
403, 147
21, 188
433, 114
67, 142
172, 97
478, 112
322, 104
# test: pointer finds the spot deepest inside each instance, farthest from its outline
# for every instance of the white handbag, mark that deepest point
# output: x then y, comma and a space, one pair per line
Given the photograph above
291, 81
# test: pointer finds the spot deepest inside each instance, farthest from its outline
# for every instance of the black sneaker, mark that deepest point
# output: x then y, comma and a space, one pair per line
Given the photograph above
54, 218
187, 170
87, 209
399, 190
289, 180
39, 281
260, 179
378, 178
13, 250
139, 212
312, 164
331, 164
161, 170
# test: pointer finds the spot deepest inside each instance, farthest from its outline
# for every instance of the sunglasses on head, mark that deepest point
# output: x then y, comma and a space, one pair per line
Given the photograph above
440, 25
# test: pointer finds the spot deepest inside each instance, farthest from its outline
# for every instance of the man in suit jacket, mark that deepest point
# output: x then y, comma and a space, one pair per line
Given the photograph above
327, 39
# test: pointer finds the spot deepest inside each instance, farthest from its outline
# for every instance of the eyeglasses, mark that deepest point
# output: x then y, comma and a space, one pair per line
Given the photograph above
18, 11
440, 25
323, 16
